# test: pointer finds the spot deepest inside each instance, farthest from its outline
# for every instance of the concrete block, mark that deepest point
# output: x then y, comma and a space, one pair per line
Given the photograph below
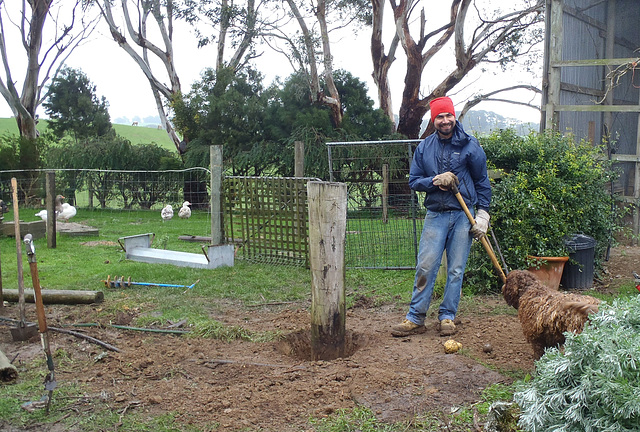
38, 229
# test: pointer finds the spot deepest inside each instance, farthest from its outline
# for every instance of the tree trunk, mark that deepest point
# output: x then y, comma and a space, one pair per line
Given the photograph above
31, 90
333, 101
381, 61
164, 55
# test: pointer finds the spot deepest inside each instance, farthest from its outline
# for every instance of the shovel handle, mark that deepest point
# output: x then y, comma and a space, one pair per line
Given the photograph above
37, 294
483, 239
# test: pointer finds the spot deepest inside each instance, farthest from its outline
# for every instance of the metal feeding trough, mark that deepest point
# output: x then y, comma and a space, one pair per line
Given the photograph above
138, 248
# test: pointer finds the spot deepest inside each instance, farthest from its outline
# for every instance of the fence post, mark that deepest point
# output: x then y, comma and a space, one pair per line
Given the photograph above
299, 159
215, 153
385, 193
327, 238
50, 201
90, 183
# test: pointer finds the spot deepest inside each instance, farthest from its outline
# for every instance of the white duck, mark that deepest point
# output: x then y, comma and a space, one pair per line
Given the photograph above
185, 211
42, 214
167, 213
65, 211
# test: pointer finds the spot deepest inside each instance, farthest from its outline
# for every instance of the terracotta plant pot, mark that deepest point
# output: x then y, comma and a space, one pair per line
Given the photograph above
548, 270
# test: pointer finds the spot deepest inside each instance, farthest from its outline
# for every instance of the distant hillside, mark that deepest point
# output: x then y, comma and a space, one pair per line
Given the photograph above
483, 122
135, 134
145, 135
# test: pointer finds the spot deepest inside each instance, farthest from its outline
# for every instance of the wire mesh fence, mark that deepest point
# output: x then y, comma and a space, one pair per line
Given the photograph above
119, 203
384, 219
265, 217
115, 190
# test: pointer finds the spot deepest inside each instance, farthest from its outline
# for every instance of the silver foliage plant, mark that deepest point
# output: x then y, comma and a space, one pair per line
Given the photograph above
595, 384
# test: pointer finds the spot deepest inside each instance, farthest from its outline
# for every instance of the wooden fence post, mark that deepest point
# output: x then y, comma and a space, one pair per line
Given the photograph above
215, 153
385, 193
50, 201
299, 159
327, 238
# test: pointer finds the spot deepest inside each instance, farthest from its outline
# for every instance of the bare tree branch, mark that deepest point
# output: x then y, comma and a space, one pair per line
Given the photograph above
488, 97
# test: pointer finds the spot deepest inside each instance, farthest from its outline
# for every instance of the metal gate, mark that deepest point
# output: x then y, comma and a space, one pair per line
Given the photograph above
383, 216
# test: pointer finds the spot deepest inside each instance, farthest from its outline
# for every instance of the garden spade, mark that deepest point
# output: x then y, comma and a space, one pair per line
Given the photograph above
49, 381
23, 331
483, 239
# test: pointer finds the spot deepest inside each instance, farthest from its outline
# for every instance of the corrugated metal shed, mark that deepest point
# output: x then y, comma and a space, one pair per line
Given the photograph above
591, 82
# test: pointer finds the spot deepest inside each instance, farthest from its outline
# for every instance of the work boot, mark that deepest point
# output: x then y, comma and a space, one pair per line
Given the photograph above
447, 327
407, 328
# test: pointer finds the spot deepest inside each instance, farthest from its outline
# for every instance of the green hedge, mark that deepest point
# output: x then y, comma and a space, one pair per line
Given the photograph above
549, 187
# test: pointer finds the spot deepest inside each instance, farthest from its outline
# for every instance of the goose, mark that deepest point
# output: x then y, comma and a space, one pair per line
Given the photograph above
65, 211
167, 213
185, 211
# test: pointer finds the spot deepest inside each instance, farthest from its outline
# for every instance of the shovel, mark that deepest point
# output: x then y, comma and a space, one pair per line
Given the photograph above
49, 381
23, 331
483, 239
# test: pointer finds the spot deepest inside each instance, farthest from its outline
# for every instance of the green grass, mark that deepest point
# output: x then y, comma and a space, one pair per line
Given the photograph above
76, 265
135, 134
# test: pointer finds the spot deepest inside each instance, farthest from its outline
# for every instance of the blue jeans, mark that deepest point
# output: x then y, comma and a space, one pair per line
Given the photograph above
443, 231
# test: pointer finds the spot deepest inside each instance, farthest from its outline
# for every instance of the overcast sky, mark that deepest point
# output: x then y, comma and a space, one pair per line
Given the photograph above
119, 79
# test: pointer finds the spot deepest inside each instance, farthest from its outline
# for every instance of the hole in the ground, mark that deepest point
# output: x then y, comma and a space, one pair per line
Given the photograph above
298, 345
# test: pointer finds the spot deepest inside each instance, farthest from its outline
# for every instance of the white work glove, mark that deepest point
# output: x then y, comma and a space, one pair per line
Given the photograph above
482, 224
445, 180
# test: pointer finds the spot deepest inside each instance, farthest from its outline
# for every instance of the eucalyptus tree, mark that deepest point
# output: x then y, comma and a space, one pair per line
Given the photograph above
136, 41
49, 31
308, 49
229, 24
474, 37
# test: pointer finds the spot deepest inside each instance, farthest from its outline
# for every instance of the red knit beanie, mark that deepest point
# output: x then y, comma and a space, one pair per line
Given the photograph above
441, 105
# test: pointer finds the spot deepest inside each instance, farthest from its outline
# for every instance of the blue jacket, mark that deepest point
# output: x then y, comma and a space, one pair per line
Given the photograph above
461, 155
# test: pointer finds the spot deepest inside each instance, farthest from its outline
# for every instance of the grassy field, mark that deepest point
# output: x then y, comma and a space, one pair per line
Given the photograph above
135, 134
75, 265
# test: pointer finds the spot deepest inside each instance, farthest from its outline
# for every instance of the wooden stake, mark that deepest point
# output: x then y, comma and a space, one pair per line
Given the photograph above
50, 201
327, 238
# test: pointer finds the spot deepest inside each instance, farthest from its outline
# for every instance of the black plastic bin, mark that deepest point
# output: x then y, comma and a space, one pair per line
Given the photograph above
578, 271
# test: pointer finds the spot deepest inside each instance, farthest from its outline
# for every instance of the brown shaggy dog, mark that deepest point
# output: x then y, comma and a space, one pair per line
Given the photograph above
545, 314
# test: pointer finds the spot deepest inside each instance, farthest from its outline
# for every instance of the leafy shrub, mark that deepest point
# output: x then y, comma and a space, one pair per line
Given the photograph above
549, 187
594, 385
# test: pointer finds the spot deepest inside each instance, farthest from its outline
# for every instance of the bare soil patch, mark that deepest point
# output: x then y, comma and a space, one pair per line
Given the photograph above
271, 386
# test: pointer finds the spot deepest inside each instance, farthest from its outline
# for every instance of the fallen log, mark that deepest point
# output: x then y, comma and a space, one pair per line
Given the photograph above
51, 296
8, 372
